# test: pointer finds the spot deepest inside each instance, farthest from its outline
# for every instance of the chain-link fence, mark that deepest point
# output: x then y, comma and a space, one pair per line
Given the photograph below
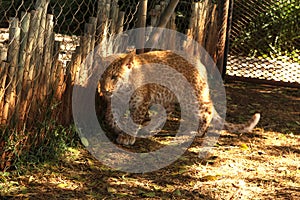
265, 42
44, 42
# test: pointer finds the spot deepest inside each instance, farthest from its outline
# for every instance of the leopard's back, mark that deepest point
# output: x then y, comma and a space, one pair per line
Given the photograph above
149, 94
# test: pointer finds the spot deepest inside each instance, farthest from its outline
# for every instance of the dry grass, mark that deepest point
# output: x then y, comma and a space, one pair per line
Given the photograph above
262, 165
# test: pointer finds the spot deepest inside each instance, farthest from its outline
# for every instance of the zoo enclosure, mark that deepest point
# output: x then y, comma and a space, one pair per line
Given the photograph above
44, 42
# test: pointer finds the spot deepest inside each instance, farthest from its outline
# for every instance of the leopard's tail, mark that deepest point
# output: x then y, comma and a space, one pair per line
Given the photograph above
243, 128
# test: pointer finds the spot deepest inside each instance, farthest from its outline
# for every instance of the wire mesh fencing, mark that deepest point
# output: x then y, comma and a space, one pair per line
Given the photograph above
44, 42
265, 42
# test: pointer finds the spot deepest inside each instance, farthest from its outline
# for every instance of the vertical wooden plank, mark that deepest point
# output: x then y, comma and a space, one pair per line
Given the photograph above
12, 58
7, 108
36, 64
223, 11
229, 23
25, 22
33, 69
48, 52
100, 14
40, 50
93, 22
55, 55
113, 16
3, 74
102, 18
155, 13
212, 34
142, 16
76, 65
120, 23
59, 82
172, 37
202, 20
28, 75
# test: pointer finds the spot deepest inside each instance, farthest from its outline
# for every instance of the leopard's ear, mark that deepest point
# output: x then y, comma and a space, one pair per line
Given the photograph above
128, 60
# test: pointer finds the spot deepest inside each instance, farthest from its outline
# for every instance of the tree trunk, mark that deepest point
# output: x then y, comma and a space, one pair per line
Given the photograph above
165, 17
141, 24
223, 8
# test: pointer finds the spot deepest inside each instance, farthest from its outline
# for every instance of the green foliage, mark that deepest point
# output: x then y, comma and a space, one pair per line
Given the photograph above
45, 143
274, 32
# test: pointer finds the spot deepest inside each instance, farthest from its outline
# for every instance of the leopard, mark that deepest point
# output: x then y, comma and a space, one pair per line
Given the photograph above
116, 76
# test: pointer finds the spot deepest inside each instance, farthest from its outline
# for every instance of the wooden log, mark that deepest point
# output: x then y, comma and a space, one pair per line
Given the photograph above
93, 22
163, 5
7, 108
41, 45
48, 52
34, 69
103, 11
202, 21
155, 13
172, 43
58, 80
28, 72
188, 44
56, 50
3, 52
85, 44
120, 22
87, 59
162, 42
39, 52
113, 16
100, 20
58, 88
13, 59
164, 18
142, 17
42, 5
104, 48
76, 63
108, 8
192, 25
223, 13
3, 74
25, 22
212, 34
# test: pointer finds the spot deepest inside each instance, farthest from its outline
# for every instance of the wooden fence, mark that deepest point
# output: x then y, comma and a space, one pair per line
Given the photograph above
36, 84
33, 77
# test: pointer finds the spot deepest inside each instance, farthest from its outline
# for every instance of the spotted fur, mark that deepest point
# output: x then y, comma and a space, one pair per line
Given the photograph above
149, 94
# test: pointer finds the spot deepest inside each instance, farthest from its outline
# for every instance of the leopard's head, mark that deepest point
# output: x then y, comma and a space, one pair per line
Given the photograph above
116, 73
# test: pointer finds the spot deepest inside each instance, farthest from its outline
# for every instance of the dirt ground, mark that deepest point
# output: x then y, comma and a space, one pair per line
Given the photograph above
264, 164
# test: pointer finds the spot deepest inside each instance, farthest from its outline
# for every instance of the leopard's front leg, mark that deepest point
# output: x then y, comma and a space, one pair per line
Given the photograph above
138, 111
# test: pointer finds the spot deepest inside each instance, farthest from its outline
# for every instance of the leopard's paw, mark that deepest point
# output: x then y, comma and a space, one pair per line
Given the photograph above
125, 139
